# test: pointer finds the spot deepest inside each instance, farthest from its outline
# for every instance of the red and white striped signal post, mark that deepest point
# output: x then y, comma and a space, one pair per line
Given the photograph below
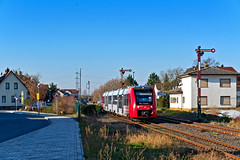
200, 53
122, 73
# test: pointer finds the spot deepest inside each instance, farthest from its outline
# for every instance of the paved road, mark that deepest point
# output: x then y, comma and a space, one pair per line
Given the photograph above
61, 140
14, 125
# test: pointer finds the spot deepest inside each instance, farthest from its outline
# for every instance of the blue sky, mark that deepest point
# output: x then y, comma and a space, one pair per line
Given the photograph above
56, 37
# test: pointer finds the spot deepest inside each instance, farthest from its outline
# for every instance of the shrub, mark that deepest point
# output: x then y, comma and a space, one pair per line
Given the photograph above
28, 103
48, 109
163, 102
91, 109
65, 105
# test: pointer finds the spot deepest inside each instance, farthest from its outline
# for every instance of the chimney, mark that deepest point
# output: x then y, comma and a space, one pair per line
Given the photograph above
206, 65
7, 70
20, 73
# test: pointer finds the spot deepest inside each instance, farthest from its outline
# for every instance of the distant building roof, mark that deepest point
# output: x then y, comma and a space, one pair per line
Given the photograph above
73, 91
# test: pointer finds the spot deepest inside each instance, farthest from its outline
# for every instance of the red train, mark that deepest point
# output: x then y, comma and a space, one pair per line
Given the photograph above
134, 102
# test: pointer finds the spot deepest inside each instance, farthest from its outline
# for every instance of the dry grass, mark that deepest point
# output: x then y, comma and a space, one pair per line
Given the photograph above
210, 156
150, 140
234, 123
106, 143
103, 132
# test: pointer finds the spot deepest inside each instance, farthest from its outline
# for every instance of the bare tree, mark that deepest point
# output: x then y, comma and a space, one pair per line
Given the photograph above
209, 61
113, 84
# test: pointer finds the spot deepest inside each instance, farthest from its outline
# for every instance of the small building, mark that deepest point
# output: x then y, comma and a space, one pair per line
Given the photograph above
218, 89
11, 88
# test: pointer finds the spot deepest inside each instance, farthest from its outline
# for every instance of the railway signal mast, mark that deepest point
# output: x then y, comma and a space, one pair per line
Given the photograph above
200, 53
122, 71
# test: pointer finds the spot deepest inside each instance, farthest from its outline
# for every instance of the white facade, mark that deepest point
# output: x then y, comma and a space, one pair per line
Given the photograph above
213, 93
14, 90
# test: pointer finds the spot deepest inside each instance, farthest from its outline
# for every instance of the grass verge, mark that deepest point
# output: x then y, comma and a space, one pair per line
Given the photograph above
103, 142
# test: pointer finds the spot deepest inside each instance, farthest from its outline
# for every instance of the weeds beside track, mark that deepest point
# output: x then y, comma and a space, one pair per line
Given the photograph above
205, 147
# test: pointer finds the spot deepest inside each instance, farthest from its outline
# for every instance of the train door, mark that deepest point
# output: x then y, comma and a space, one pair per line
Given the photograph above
106, 103
125, 104
115, 101
109, 102
120, 104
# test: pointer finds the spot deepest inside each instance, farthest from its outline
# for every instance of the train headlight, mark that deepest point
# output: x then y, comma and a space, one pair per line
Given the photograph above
151, 107
137, 107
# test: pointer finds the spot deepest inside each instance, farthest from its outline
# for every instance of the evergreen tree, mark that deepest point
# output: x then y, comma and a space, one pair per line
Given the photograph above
129, 81
166, 85
153, 79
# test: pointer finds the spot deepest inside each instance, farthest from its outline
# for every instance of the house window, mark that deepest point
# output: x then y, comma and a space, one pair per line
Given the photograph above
15, 85
225, 100
204, 83
183, 99
225, 82
7, 85
204, 100
173, 99
3, 99
12, 99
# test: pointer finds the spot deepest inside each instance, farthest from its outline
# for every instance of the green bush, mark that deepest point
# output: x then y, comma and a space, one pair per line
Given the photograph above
48, 109
163, 102
91, 109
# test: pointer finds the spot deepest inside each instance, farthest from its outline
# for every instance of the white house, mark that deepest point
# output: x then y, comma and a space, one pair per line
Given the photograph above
10, 88
218, 89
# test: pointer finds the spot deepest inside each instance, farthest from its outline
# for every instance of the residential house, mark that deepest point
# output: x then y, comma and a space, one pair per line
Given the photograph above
218, 89
11, 88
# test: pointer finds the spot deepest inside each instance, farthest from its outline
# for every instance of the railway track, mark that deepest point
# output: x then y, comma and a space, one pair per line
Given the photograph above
219, 129
204, 143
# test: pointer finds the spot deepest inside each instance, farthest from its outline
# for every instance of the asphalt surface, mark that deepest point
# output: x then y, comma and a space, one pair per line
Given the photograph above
14, 125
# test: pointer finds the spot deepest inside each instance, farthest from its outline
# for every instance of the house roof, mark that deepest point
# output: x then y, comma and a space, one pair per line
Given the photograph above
175, 91
211, 71
228, 69
7, 72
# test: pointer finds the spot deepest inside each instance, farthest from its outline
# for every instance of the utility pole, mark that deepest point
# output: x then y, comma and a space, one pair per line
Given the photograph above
200, 53
122, 71
79, 109
77, 81
88, 89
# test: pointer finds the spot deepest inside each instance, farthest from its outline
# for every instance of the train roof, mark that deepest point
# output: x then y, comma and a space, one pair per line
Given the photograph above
126, 90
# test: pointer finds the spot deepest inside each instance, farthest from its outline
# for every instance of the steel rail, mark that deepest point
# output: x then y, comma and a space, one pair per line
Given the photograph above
182, 139
203, 124
199, 137
192, 125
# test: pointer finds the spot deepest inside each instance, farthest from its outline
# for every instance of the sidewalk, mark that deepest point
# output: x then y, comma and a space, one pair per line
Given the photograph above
60, 140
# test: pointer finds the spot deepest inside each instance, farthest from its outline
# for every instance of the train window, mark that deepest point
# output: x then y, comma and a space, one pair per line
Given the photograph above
115, 100
109, 100
129, 98
144, 96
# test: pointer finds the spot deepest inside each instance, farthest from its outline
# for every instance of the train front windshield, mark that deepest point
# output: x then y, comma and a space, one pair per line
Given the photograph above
144, 97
